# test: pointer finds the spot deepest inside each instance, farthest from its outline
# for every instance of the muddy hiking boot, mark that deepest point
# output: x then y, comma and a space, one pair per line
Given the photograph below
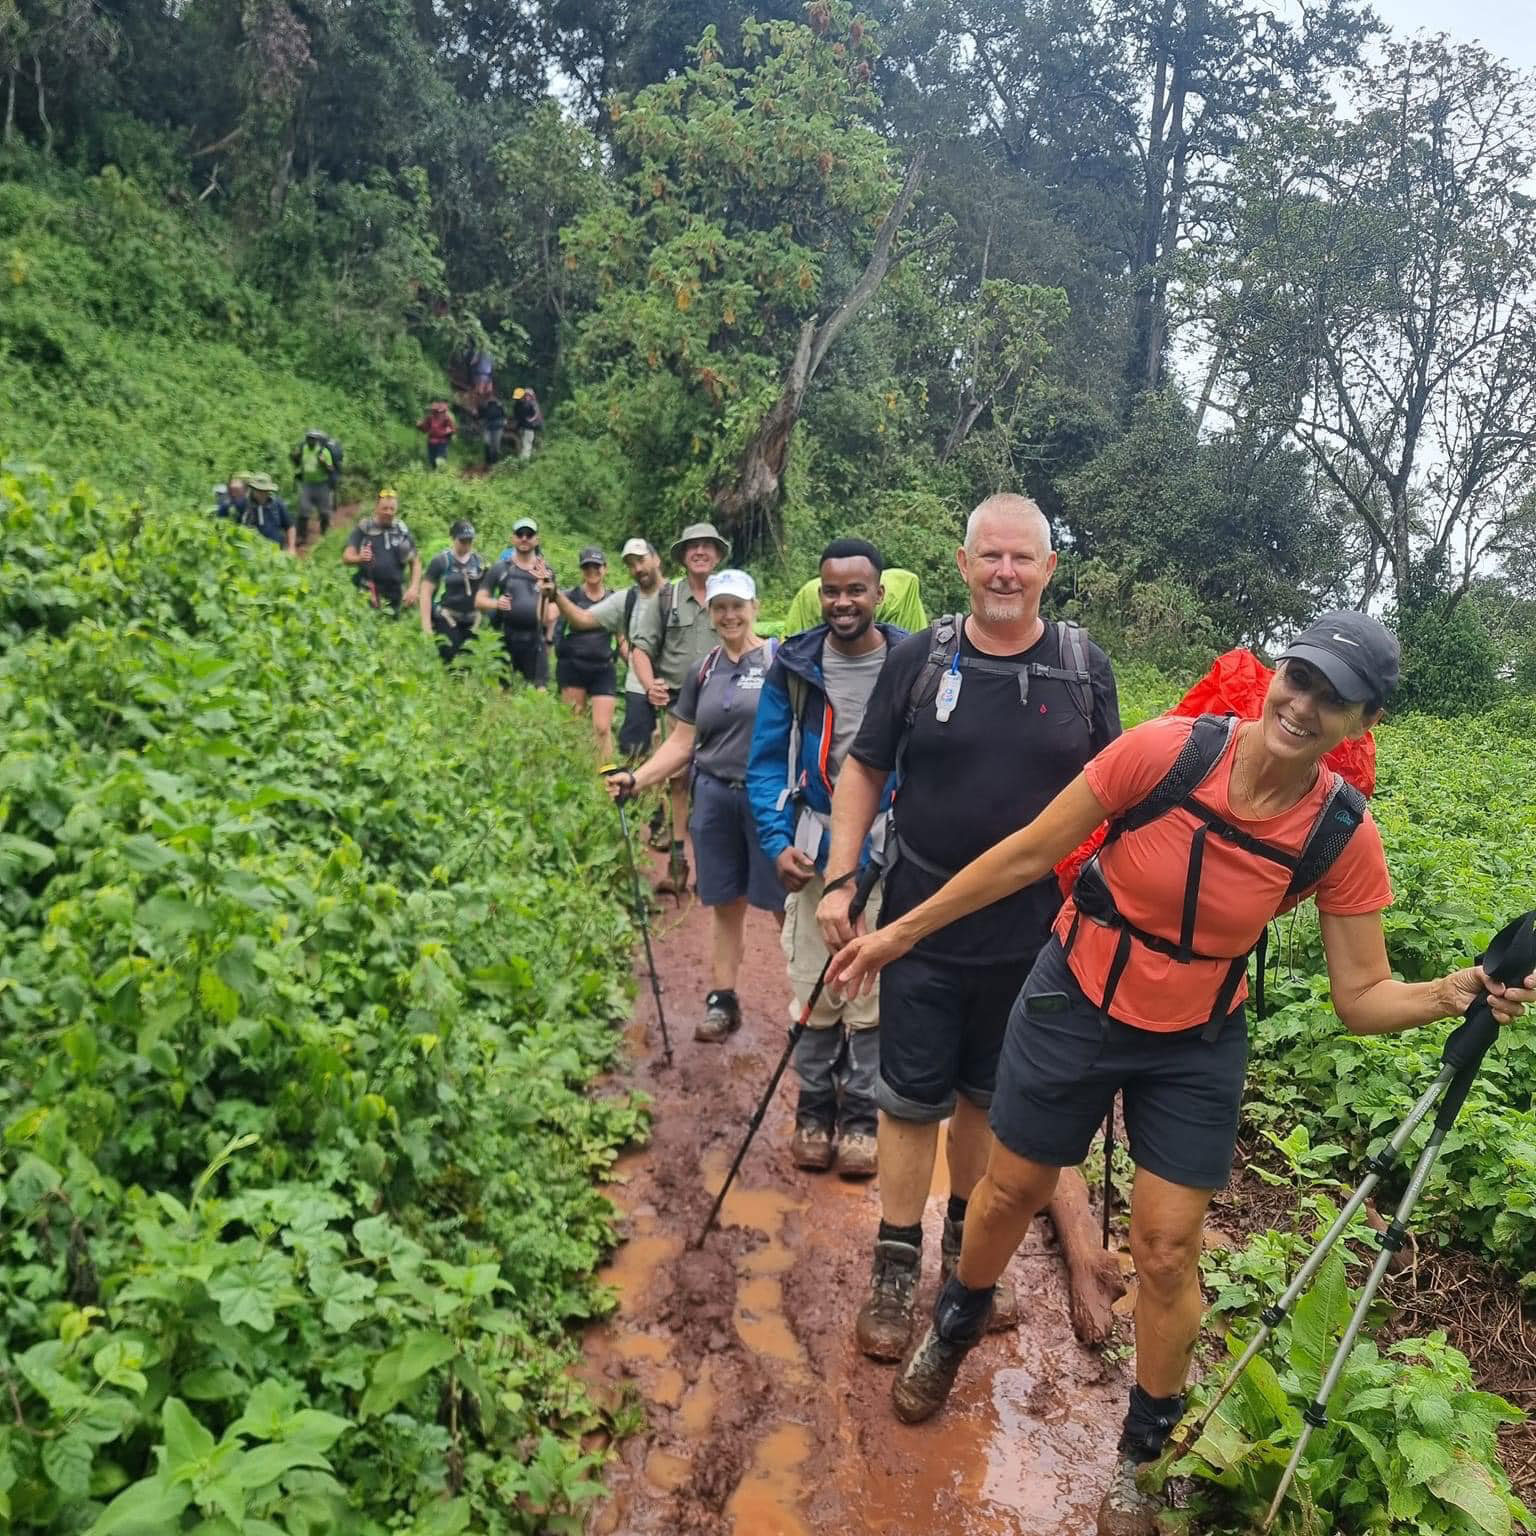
1126, 1510
722, 1017
857, 1156
1005, 1298
928, 1373
884, 1324
811, 1148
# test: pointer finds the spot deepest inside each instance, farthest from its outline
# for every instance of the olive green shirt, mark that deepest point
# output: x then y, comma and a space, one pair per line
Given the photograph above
687, 639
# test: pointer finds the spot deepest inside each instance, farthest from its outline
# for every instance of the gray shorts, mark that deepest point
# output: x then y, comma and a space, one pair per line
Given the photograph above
731, 864
1064, 1060
316, 497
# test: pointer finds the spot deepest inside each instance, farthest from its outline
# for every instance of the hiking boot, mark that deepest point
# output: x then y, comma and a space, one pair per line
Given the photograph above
928, 1374
856, 1156
884, 1325
811, 1148
1126, 1510
722, 1017
1005, 1296
675, 881
660, 830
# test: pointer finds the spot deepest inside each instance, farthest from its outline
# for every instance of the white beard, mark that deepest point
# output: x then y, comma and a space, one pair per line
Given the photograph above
1003, 610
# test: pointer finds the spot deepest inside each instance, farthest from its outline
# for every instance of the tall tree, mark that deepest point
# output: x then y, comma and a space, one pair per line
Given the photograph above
1383, 300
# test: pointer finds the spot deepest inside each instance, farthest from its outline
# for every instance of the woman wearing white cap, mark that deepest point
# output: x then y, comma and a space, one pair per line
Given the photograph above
714, 715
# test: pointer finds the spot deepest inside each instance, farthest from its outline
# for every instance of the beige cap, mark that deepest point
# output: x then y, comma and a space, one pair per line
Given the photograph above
635, 547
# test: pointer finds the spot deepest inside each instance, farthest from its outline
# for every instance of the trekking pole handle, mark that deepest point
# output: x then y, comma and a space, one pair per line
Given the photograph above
609, 770
1509, 958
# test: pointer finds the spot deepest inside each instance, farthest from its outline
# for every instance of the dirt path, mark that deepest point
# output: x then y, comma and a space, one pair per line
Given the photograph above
341, 520
763, 1418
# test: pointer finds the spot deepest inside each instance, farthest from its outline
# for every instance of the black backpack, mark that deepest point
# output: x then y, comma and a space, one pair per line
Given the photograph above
1209, 737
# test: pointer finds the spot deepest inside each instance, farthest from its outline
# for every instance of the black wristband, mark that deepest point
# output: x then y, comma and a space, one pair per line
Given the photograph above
840, 882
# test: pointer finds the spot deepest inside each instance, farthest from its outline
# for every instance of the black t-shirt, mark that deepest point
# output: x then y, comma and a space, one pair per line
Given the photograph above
585, 645
393, 551
454, 582
507, 579
975, 779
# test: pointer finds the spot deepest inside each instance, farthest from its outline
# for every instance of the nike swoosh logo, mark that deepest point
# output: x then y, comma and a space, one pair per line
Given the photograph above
1345, 640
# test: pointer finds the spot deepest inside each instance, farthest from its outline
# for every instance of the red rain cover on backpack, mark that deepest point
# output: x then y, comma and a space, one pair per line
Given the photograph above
1236, 685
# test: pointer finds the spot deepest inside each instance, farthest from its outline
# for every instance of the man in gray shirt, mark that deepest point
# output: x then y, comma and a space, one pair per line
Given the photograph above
812, 706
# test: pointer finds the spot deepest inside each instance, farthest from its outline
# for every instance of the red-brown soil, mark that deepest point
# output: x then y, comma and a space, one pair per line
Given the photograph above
763, 1417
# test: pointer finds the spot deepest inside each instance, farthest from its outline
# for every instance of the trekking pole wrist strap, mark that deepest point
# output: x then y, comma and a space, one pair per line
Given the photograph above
840, 882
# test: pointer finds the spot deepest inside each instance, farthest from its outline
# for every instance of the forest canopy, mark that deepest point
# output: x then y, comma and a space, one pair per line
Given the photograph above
1245, 300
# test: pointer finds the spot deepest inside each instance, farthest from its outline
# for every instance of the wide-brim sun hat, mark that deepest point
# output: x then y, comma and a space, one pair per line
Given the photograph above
1358, 655
261, 483
696, 531
730, 584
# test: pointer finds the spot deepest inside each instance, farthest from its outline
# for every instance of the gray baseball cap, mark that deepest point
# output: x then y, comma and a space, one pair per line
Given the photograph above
1359, 655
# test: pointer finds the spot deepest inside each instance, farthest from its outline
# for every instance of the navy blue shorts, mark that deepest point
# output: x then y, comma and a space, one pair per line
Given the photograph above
1064, 1060
731, 863
638, 726
941, 1030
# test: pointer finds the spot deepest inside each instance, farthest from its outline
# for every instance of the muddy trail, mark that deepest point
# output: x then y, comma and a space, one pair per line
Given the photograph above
343, 518
763, 1417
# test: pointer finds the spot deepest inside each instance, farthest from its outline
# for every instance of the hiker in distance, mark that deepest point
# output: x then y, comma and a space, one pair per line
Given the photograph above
260, 507
584, 658
984, 718
618, 613
381, 550
512, 593
671, 641
1145, 997
812, 706
448, 591
316, 461
712, 730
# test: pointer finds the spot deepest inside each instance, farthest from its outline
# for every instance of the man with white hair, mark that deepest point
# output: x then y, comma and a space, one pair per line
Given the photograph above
984, 718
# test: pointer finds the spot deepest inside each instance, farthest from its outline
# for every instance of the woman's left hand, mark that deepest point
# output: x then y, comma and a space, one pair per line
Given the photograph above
1506, 1002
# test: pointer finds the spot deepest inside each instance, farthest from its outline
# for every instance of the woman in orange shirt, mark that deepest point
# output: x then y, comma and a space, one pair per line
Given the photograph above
1141, 989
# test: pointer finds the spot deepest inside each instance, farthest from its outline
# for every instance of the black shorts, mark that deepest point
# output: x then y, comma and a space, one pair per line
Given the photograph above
528, 657
941, 1030
600, 679
1064, 1060
638, 725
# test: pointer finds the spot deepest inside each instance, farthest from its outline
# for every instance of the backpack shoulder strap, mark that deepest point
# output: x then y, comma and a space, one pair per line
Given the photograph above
1208, 740
1074, 659
666, 600
710, 662
1336, 824
925, 686
630, 599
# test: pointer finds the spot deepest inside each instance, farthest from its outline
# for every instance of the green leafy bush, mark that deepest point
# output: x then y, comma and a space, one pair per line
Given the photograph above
310, 954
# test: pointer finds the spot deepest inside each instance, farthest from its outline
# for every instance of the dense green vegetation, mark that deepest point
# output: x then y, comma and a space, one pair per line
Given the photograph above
299, 1143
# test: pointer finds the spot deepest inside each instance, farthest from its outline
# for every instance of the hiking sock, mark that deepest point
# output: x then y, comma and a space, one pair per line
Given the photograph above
959, 1313
955, 1210
912, 1236
1148, 1423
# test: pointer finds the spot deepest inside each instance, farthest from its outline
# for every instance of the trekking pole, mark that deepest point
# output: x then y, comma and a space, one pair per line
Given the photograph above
861, 894
645, 926
1509, 959
1109, 1164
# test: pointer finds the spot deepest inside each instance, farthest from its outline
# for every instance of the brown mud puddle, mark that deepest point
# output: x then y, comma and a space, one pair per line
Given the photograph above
762, 1417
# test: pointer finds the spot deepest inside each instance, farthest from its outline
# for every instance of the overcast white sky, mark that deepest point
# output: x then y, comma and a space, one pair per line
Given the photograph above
1507, 27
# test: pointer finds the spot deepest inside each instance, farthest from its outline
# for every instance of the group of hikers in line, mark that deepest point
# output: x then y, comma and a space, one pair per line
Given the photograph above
968, 757
252, 499
526, 418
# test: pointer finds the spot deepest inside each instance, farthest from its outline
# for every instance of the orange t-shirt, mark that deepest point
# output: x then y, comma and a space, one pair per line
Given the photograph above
1239, 892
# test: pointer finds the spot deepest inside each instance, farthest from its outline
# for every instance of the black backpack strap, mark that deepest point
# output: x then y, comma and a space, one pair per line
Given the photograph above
630, 599
1073, 644
925, 686
1337, 822
1208, 740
